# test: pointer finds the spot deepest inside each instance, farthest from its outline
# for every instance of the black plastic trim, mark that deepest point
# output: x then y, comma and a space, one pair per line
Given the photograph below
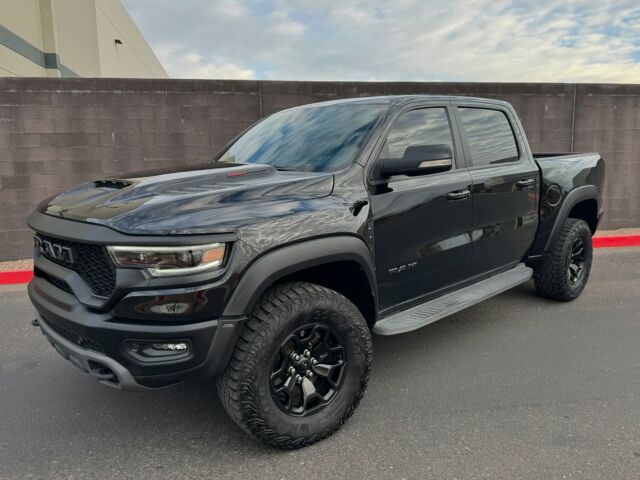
222, 346
271, 267
82, 358
575, 196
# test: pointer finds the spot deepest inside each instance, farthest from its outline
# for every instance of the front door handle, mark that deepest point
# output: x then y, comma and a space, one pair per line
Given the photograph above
525, 183
458, 195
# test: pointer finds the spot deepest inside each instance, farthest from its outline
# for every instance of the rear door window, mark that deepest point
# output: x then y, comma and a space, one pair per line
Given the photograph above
489, 135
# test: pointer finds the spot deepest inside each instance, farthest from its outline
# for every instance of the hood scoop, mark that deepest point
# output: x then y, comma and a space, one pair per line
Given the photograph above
114, 183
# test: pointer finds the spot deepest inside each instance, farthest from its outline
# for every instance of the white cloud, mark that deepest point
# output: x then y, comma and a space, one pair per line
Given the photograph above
230, 8
184, 64
463, 40
288, 28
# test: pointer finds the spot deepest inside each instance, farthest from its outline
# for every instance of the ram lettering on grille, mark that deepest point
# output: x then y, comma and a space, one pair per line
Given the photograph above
54, 250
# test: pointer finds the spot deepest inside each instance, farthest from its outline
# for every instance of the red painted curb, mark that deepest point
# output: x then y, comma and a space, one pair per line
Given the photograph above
25, 276
622, 241
16, 277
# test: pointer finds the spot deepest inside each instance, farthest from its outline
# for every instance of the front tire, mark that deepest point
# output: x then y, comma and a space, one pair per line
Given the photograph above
564, 273
300, 368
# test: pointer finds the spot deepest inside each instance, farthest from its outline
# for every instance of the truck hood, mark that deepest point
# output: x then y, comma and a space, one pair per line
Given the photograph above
204, 199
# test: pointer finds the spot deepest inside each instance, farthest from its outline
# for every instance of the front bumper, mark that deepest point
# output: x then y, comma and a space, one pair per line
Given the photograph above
105, 369
92, 330
91, 339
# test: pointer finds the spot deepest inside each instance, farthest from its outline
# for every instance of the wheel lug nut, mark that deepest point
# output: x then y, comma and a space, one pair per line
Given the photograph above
295, 356
314, 361
299, 378
309, 374
292, 370
307, 353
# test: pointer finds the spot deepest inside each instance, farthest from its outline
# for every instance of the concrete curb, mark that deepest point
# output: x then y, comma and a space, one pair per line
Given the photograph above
17, 277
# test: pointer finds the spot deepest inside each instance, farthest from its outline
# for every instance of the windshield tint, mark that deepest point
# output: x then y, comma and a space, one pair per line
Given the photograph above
312, 139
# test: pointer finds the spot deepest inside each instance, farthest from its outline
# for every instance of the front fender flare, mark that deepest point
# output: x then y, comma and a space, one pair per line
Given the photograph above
276, 264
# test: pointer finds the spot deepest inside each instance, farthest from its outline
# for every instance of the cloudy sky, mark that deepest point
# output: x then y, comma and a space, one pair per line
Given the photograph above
417, 40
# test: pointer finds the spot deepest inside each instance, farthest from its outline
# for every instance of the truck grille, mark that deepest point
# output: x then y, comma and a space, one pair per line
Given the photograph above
91, 262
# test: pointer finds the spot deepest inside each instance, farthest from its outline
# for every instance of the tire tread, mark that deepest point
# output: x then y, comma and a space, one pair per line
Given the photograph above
550, 276
234, 385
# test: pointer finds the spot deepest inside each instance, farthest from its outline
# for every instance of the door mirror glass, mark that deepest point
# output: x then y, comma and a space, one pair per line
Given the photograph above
419, 160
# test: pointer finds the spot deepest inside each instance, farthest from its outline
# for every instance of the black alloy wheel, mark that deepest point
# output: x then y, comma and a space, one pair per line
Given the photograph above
576, 261
307, 370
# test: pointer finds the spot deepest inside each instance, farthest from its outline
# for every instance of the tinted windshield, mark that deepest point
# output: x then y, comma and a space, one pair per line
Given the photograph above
312, 139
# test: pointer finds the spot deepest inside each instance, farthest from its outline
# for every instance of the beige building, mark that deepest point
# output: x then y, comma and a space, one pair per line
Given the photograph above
73, 38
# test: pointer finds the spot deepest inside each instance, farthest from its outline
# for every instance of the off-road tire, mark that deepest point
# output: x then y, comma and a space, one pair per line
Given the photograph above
552, 277
244, 387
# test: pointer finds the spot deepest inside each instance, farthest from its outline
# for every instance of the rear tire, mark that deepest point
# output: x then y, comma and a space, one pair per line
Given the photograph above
289, 403
564, 273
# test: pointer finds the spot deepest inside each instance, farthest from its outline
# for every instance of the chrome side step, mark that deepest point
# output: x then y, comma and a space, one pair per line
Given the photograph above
428, 312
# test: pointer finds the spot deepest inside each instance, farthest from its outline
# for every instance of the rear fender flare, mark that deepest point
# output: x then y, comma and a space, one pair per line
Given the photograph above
575, 196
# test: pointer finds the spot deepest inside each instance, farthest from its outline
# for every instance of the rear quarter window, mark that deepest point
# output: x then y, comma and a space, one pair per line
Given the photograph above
489, 135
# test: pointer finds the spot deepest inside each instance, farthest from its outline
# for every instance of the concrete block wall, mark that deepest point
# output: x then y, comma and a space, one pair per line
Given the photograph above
607, 120
55, 133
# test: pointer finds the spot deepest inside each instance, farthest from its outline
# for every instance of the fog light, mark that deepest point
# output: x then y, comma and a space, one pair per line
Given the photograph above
154, 351
171, 308
173, 347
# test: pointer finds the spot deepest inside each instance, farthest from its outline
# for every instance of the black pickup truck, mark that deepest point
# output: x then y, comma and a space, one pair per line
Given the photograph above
270, 267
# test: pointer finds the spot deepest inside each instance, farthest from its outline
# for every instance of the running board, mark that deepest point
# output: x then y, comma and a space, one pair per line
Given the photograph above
429, 312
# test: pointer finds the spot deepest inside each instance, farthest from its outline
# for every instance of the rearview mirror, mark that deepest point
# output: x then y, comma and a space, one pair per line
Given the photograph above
419, 160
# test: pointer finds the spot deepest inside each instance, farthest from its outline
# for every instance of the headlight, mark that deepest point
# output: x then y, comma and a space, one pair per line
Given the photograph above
166, 261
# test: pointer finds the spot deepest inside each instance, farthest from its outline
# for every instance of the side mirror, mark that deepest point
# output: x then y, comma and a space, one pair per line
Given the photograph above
419, 160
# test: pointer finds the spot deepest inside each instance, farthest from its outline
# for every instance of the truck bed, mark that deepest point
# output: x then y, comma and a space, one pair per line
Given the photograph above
562, 174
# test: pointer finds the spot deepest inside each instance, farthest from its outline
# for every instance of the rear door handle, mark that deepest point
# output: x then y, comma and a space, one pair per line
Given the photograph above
525, 183
458, 195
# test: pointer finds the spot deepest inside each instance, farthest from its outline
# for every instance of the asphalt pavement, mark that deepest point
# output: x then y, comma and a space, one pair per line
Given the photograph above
516, 387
